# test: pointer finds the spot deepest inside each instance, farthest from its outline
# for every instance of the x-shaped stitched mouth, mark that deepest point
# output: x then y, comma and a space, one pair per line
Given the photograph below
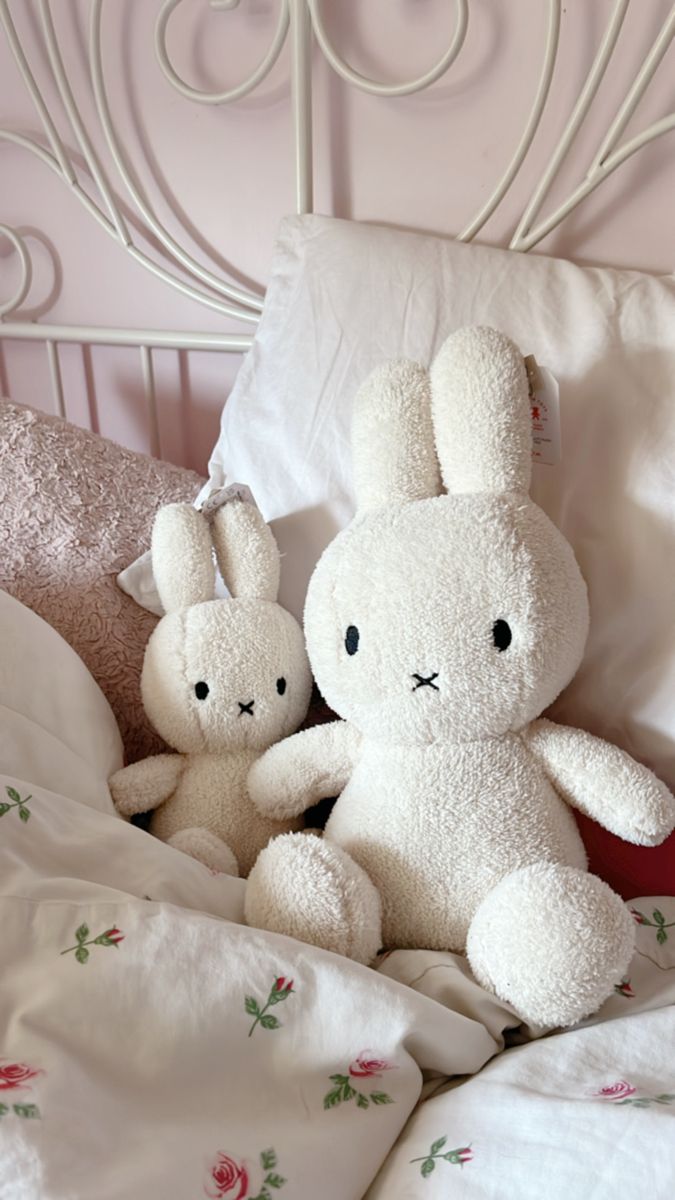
246, 708
424, 681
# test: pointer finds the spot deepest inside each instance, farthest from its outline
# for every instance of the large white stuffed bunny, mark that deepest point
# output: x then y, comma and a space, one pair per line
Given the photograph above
221, 681
439, 626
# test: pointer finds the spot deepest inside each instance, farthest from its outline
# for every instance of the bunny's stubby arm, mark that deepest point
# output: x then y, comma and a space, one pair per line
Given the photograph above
603, 782
303, 769
147, 784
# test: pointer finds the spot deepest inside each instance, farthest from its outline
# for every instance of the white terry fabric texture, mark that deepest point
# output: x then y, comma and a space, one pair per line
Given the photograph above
344, 297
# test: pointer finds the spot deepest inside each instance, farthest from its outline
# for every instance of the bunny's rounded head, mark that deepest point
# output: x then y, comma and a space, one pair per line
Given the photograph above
222, 675
445, 616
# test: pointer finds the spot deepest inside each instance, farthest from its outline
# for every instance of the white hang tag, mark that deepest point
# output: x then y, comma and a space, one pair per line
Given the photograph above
225, 495
545, 411
216, 499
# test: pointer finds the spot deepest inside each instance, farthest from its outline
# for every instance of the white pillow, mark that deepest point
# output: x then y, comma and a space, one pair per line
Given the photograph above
57, 730
344, 297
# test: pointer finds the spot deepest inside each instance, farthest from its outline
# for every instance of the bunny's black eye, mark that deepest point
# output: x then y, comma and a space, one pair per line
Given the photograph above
201, 690
352, 639
501, 635
281, 685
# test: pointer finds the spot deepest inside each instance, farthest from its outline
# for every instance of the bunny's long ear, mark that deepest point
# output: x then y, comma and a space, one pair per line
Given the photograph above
481, 413
247, 553
182, 558
393, 450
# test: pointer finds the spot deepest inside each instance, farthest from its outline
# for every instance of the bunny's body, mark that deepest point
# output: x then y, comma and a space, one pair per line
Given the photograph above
222, 680
491, 794
440, 626
211, 795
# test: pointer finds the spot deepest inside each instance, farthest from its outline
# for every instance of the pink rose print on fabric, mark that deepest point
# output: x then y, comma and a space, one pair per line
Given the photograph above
365, 1066
621, 1093
616, 1091
229, 1179
16, 1075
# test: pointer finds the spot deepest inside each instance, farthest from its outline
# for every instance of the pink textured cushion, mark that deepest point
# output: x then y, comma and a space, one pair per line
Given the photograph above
74, 510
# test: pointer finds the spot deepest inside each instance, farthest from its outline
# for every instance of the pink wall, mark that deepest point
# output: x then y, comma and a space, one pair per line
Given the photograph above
221, 177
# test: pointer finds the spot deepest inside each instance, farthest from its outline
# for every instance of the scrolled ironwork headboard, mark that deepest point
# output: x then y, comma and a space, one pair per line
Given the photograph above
107, 195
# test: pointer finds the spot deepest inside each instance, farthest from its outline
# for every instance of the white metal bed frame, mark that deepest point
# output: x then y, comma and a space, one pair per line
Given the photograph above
301, 21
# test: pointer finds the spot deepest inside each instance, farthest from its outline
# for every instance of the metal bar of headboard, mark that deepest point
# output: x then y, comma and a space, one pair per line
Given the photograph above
301, 92
151, 400
55, 376
145, 340
101, 335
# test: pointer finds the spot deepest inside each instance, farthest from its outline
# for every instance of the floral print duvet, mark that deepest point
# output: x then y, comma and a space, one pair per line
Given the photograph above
151, 1045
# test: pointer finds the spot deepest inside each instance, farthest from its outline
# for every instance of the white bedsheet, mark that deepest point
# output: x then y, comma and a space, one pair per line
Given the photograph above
152, 1046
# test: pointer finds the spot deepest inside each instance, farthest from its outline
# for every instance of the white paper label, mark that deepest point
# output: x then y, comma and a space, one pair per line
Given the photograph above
224, 495
545, 409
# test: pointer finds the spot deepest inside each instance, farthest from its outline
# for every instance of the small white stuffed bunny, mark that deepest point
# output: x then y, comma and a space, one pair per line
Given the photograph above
439, 626
222, 680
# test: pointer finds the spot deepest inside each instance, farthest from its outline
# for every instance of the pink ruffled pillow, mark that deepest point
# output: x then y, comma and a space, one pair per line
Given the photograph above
74, 510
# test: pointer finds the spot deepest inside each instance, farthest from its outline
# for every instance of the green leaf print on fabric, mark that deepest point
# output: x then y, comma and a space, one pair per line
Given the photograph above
269, 1022
275, 1181
647, 1101
30, 1111
659, 923
17, 802
458, 1157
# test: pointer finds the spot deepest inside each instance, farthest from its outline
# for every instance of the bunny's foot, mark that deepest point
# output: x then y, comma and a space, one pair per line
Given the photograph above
312, 890
208, 849
552, 941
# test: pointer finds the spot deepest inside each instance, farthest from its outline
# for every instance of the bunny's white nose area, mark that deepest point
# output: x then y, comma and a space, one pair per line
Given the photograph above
446, 619
225, 675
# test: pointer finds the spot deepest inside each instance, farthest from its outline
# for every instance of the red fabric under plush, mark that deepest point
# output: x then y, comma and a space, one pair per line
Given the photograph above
630, 870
